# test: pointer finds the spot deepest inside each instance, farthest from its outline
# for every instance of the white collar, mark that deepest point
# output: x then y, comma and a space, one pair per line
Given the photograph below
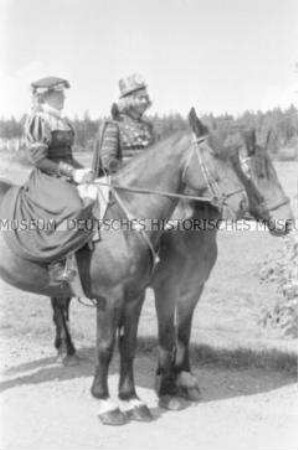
52, 111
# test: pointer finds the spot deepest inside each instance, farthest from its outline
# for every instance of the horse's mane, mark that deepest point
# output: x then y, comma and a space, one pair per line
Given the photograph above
223, 136
228, 137
226, 142
263, 166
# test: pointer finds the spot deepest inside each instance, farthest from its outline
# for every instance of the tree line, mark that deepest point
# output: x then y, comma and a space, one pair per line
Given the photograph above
281, 123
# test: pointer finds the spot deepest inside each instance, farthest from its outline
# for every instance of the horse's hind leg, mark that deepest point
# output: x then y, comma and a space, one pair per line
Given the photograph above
186, 382
63, 341
166, 385
108, 316
128, 327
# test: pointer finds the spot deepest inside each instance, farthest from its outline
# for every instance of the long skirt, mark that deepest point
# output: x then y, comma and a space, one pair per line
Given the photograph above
45, 219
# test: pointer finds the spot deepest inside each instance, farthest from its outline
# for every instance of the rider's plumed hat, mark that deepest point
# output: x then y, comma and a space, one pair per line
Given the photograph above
130, 84
49, 84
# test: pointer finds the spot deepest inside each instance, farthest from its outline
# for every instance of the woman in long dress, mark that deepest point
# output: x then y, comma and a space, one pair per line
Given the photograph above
52, 212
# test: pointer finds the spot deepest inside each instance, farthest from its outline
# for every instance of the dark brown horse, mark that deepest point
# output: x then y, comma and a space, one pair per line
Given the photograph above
189, 256
118, 270
186, 261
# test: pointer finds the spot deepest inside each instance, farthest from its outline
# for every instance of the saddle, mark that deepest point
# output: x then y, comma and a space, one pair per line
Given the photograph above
65, 270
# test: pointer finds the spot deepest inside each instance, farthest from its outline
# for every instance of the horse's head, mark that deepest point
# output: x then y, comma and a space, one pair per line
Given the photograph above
207, 172
267, 199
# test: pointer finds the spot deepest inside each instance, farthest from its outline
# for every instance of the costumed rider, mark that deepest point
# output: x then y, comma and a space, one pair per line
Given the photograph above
127, 133
56, 190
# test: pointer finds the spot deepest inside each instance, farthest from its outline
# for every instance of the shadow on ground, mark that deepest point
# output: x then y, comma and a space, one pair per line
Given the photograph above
221, 373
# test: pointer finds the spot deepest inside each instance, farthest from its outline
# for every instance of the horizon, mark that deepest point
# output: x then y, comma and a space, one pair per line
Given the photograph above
81, 117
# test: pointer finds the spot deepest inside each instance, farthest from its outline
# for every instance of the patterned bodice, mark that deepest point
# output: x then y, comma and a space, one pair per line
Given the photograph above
122, 140
134, 134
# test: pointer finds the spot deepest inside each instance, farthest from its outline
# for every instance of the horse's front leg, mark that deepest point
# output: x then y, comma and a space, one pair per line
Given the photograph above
63, 341
108, 316
128, 327
187, 383
166, 377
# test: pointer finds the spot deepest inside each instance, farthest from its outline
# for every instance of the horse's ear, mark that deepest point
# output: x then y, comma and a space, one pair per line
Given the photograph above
196, 125
250, 140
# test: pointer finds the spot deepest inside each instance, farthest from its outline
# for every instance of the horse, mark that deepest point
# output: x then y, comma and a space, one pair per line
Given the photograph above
120, 266
197, 251
186, 262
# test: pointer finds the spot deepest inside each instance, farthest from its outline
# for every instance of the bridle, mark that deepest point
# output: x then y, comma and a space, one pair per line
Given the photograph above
262, 205
283, 202
217, 199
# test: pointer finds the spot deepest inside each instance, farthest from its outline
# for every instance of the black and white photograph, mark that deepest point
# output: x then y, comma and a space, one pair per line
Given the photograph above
148, 225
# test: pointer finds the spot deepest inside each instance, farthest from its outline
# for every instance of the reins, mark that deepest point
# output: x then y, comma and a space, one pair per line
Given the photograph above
130, 217
285, 201
154, 192
217, 199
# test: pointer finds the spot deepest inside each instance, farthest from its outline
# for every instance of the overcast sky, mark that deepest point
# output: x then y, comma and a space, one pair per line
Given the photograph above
218, 55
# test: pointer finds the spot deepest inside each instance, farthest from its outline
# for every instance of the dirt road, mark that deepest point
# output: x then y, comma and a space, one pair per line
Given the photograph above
46, 406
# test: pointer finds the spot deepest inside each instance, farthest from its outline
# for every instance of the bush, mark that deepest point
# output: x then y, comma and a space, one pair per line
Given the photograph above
283, 271
288, 154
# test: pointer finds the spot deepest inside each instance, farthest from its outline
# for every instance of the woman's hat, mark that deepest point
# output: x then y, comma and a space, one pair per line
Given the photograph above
49, 84
130, 84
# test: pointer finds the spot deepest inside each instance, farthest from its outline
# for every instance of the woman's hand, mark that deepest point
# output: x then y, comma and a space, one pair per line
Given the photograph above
83, 176
37, 151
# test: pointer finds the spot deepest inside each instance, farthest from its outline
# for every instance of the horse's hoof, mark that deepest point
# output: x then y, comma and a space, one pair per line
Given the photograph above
140, 413
114, 417
59, 359
173, 403
188, 387
193, 395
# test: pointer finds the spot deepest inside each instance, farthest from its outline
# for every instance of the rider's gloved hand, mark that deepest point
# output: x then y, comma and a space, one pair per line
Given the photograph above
37, 151
88, 193
82, 176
